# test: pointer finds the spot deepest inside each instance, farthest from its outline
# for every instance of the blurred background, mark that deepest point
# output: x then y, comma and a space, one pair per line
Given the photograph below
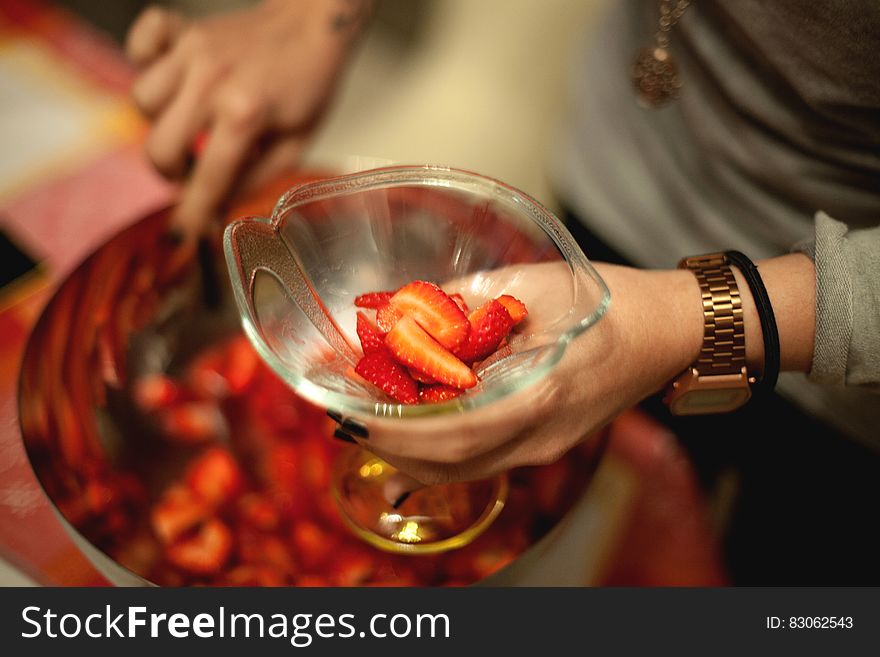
474, 85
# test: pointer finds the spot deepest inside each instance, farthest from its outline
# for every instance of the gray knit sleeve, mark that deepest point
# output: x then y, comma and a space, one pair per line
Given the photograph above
847, 345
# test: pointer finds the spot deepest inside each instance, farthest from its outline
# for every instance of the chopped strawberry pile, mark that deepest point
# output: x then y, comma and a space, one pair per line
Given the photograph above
252, 504
425, 344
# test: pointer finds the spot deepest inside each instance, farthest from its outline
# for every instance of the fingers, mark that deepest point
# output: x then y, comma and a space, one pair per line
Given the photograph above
152, 34
399, 487
455, 439
155, 88
171, 139
419, 473
229, 144
283, 154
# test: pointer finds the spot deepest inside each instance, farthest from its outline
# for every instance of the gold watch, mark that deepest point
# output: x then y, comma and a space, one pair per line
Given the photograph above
718, 381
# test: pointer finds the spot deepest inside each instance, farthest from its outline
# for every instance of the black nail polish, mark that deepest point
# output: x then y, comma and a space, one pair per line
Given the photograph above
400, 500
336, 416
173, 237
210, 281
356, 428
339, 434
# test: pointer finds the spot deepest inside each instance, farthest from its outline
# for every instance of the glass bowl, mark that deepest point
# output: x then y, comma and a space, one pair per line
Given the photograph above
295, 276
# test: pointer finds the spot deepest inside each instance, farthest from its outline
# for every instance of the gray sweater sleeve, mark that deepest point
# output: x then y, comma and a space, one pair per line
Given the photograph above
847, 345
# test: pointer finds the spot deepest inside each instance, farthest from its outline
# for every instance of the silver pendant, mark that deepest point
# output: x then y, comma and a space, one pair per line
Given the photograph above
655, 77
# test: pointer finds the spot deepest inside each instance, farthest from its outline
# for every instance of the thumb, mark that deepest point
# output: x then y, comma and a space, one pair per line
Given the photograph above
398, 488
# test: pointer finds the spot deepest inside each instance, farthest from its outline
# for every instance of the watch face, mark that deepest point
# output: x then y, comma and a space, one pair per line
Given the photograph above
699, 402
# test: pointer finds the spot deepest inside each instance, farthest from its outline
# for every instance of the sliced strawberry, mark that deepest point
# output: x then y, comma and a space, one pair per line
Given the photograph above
434, 311
178, 510
421, 378
205, 375
380, 369
411, 345
215, 476
373, 299
515, 307
460, 302
204, 553
193, 423
386, 317
242, 365
371, 339
155, 391
437, 393
258, 511
313, 544
490, 324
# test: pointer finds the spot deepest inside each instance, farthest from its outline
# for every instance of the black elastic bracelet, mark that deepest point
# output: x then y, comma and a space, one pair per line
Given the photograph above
767, 382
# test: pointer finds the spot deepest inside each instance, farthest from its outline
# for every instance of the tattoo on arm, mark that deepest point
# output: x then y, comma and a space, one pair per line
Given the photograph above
351, 16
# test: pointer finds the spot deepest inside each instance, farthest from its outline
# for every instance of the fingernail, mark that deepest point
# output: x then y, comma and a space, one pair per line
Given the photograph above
339, 434
210, 282
356, 428
400, 500
336, 416
173, 237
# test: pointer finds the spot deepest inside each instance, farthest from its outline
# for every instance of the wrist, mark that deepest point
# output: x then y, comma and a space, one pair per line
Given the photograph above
657, 319
335, 22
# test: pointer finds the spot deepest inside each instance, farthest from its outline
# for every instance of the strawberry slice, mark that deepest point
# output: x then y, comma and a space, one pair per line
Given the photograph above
380, 369
434, 311
411, 345
386, 317
373, 299
460, 302
206, 552
437, 393
155, 391
515, 307
177, 511
215, 476
368, 334
193, 423
490, 324
421, 378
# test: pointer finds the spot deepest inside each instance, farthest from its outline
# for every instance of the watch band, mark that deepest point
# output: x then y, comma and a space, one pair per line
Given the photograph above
724, 343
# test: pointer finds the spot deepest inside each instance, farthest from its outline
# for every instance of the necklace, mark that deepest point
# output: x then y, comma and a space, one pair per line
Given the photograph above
654, 72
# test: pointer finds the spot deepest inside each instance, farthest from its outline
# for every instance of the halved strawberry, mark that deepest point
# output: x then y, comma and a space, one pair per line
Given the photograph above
434, 311
490, 324
516, 308
380, 369
204, 553
373, 299
460, 302
371, 339
437, 393
411, 345
386, 317
215, 476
